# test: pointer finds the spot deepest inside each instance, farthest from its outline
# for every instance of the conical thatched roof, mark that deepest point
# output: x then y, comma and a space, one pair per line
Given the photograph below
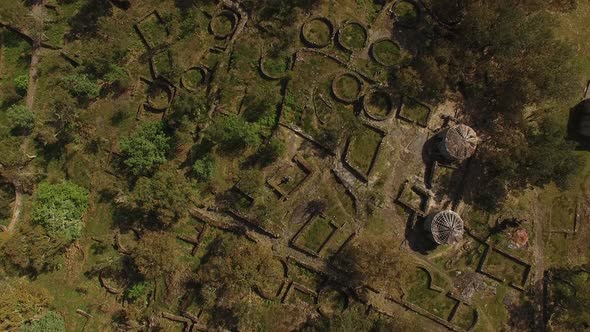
446, 227
583, 119
458, 142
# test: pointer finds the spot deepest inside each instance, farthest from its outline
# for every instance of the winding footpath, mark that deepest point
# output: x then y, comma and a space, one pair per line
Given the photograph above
37, 11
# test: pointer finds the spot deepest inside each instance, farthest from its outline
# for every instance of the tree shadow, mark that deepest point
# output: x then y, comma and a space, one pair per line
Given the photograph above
86, 21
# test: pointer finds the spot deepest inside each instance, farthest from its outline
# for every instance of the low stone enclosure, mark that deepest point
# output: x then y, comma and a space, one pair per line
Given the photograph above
415, 112
315, 248
195, 77
285, 183
161, 92
415, 197
459, 303
352, 36
386, 52
379, 104
223, 24
406, 13
363, 173
347, 87
317, 32
275, 69
152, 30
483, 267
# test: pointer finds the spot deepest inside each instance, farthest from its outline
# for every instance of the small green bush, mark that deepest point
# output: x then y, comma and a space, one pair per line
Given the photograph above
136, 292
21, 83
59, 208
80, 85
21, 118
270, 152
204, 167
49, 322
234, 134
146, 148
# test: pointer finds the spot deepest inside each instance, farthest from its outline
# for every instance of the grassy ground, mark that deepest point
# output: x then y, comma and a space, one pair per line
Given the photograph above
435, 302
387, 52
353, 36
316, 233
415, 111
363, 147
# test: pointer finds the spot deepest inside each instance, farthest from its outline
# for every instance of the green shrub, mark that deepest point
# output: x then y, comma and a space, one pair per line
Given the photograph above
233, 133
136, 292
117, 78
59, 209
49, 322
270, 152
165, 197
21, 118
187, 105
145, 149
21, 83
204, 167
80, 85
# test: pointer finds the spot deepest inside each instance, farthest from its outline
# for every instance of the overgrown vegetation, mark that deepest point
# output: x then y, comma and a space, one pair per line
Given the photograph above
160, 169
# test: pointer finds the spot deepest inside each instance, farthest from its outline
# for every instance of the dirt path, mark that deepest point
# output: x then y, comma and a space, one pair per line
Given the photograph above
30, 102
539, 264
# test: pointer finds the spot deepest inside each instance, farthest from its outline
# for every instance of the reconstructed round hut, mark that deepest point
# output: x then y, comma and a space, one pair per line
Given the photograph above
458, 142
580, 122
446, 227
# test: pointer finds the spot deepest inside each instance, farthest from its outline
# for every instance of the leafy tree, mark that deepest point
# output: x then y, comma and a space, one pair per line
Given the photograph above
570, 299
204, 167
49, 322
59, 208
65, 122
270, 152
509, 58
189, 106
356, 319
516, 160
232, 268
117, 78
20, 301
81, 86
156, 255
21, 117
167, 196
234, 134
375, 262
21, 83
145, 149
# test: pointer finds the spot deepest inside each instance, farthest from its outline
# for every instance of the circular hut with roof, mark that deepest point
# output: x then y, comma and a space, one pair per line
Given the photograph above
445, 227
579, 123
458, 143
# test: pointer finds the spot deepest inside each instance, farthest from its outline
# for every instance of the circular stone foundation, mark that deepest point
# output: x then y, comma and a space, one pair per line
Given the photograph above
347, 87
317, 32
278, 270
159, 96
378, 105
386, 52
275, 67
193, 78
352, 36
406, 13
223, 24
